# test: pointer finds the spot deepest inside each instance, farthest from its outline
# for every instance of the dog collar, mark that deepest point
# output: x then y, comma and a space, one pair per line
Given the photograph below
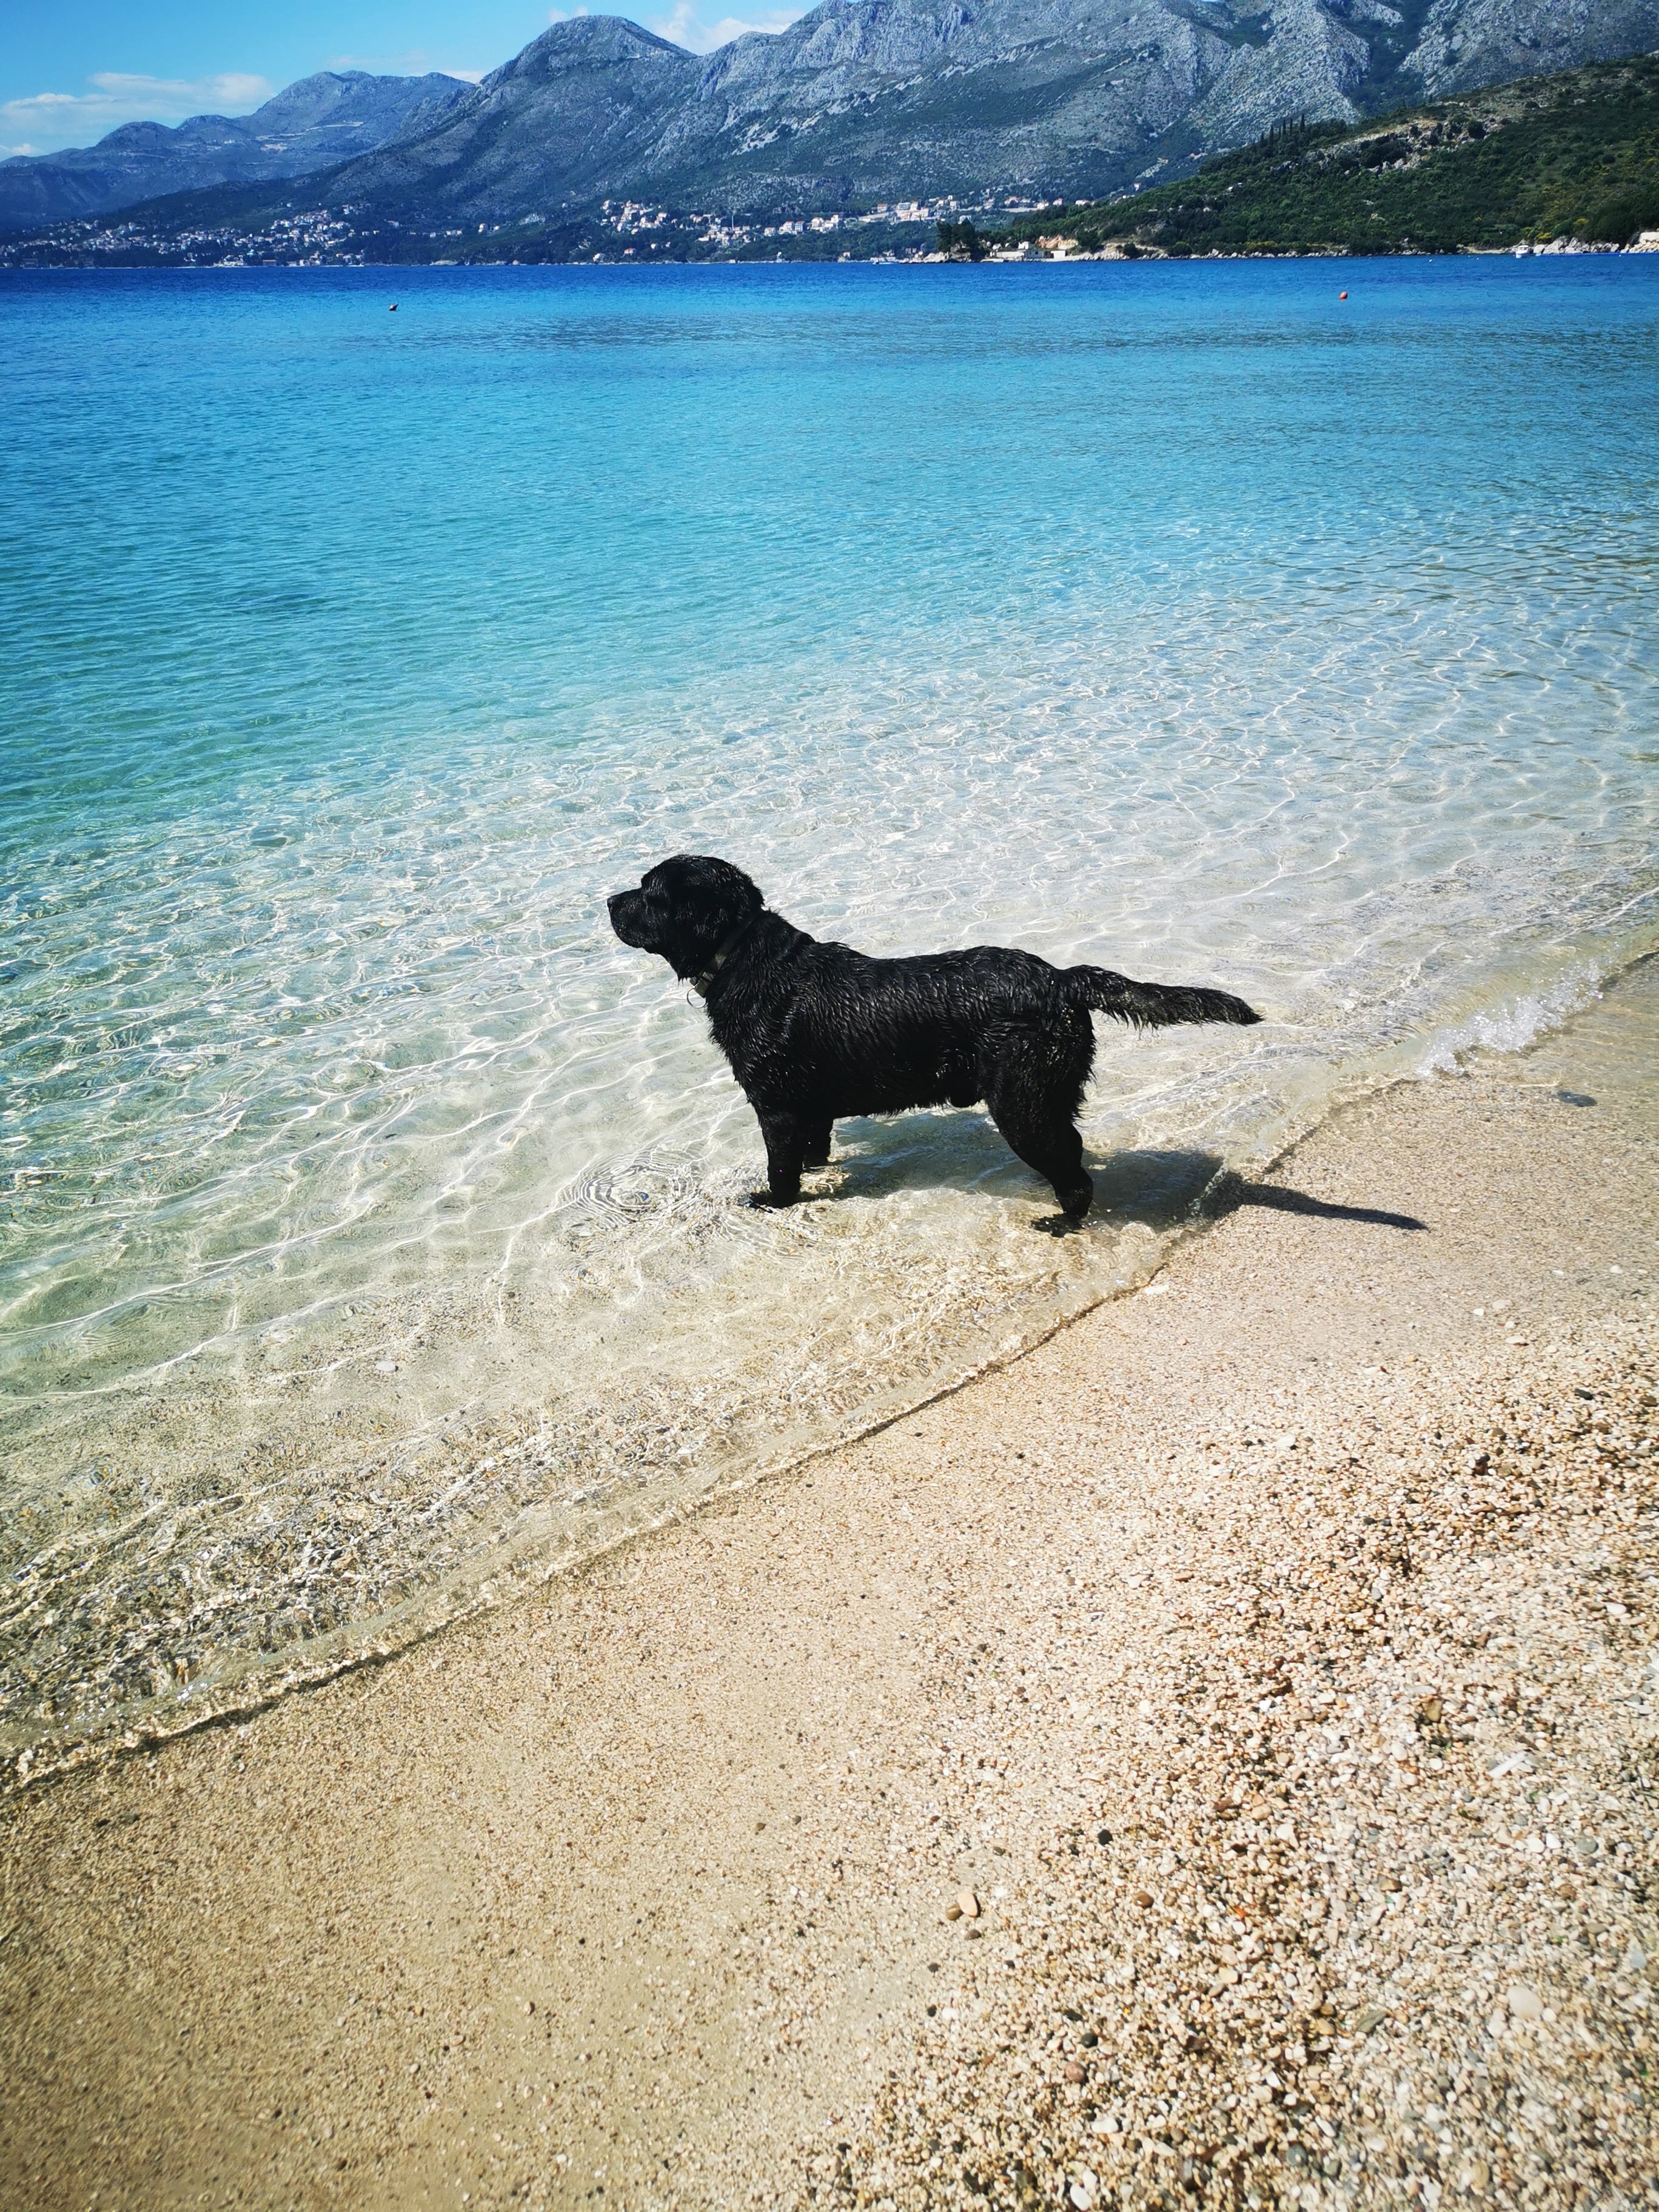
723, 952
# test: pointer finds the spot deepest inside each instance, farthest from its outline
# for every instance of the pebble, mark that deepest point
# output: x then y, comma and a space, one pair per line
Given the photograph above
968, 1904
1359, 1866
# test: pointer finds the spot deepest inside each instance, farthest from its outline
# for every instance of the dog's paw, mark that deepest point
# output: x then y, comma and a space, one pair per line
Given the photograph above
1060, 1225
764, 1202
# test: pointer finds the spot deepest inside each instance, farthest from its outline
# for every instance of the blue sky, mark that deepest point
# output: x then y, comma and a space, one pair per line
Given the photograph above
71, 70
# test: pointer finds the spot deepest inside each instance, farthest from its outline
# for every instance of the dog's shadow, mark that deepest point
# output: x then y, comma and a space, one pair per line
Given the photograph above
1161, 1189
1228, 1191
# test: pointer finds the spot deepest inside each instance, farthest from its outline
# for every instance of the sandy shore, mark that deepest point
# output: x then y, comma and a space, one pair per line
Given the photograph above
1212, 1759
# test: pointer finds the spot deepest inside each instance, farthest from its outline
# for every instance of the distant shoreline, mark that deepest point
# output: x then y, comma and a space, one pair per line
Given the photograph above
918, 260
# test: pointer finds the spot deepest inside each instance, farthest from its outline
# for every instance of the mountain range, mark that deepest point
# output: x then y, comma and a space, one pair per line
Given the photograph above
866, 101
312, 125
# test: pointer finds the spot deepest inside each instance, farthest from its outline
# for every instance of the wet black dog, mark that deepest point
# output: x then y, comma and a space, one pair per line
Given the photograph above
815, 1032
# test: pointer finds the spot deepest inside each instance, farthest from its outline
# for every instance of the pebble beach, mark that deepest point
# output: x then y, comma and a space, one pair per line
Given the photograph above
1368, 1914
1210, 1761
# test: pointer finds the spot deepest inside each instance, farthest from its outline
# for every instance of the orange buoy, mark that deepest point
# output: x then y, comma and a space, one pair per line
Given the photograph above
1341, 295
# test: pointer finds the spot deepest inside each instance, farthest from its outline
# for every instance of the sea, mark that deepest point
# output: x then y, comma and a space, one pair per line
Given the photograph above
375, 1240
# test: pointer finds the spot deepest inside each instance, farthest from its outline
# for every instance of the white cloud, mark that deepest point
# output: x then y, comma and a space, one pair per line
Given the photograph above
687, 28
49, 121
186, 96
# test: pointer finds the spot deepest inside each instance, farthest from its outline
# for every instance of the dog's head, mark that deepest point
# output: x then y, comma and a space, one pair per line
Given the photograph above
685, 908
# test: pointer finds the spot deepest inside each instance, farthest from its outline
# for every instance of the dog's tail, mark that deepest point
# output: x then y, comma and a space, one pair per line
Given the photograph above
1152, 1005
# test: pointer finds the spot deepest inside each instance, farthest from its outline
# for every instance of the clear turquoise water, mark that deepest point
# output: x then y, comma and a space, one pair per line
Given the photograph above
371, 1231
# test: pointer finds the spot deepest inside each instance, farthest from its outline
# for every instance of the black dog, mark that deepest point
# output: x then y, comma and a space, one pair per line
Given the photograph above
815, 1032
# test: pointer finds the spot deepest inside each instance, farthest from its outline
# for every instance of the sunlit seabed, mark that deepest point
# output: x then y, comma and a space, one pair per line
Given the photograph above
375, 1233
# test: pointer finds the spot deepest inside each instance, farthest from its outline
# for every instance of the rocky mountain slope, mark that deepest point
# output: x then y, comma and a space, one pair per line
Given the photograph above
1463, 44
863, 101
313, 125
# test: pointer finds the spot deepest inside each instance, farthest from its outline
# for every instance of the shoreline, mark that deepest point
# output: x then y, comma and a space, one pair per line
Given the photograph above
1521, 251
750, 1760
500, 1573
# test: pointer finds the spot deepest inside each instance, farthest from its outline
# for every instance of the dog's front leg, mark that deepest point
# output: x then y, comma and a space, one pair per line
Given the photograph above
786, 1154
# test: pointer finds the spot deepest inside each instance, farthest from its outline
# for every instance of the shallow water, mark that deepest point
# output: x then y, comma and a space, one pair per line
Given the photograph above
373, 1228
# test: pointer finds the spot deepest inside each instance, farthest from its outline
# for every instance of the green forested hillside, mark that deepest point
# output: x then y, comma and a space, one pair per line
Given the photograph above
1575, 155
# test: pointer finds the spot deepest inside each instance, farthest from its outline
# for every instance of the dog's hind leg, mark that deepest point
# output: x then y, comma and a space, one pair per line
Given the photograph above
1034, 1086
818, 1134
1055, 1151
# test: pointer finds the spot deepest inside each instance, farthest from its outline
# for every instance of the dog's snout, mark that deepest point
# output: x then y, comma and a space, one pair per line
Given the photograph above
624, 909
